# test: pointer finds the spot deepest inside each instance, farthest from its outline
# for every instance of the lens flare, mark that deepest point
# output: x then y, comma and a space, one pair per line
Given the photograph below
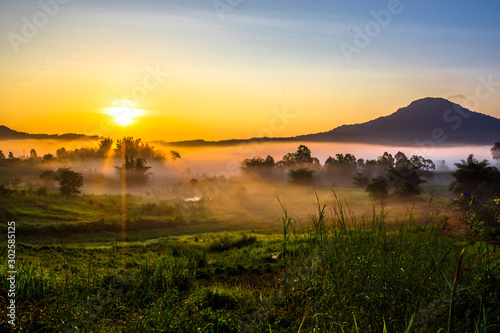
124, 112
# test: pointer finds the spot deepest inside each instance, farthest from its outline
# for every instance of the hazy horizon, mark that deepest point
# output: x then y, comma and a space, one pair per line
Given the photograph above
215, 159
191, 70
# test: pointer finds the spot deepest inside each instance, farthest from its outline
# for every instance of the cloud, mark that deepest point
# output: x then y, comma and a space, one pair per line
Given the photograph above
457, 96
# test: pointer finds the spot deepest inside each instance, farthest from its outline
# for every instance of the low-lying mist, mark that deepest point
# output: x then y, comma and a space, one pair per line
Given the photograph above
213, 177
222, 160
213, 162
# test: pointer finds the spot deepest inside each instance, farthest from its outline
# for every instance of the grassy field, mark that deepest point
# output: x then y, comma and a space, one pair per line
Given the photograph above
100, 218
328, 262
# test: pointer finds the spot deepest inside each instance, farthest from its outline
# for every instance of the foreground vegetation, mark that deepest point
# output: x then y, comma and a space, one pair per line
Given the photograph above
406, 258
336, 273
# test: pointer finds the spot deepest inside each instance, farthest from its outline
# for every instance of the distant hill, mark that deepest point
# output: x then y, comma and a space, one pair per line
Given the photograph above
225, 143
425, 122
435, 121
10, 134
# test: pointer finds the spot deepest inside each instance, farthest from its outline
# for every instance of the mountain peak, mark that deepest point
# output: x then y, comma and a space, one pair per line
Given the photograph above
429, 104
9, 134
430, 101
428, 121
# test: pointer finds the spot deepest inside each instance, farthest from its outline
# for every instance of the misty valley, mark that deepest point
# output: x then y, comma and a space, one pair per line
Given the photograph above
122, 235
233, 166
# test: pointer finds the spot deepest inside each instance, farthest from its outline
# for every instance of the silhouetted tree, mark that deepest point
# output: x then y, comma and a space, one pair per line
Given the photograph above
33, 154
301, 158
174, 155
70, 181
257, 162
47, 174
11, 160
385, 161
407, 189
477, 178
340, 168
147, 151
441, 165
127, 146
134, 147
61, 153
404, 176
400, 158
301, 176
82, 153
48, 157
424, 167
136, 170
368, 168
341, 161
105, 146
48, 177
378, 187
257, 166
360, 180
495, 151
303, 155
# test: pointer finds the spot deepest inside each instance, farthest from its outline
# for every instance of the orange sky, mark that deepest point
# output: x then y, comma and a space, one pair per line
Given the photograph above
226, 79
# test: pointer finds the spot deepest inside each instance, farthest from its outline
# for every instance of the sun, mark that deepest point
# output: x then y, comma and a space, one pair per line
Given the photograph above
124, 112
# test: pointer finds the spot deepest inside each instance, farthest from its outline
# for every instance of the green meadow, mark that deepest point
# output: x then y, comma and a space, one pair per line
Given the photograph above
253, 258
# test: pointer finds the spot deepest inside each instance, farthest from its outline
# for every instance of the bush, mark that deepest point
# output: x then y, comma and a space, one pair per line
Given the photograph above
4, 190
302, 176
360, 181
70, 181
378, 187
476, 178
482, 218
225, 243
41, 191
219, 300
407, 189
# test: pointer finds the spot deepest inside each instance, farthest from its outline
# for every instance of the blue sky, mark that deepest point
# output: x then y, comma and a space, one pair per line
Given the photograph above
261, 55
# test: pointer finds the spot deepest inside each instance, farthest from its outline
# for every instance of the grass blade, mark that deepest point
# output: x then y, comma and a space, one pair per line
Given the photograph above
430, 253
453, 292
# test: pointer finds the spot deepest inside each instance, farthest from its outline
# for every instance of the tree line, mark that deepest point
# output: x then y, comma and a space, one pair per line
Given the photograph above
133, 169
378, 176
126, 146
399, 173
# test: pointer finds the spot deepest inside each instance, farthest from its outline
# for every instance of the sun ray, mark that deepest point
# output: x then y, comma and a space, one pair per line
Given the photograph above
124, 112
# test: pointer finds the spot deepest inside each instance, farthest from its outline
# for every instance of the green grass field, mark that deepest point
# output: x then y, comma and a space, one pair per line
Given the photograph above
328, 262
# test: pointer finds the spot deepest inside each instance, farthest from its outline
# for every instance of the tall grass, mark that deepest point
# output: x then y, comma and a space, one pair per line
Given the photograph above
387, 279
336, 273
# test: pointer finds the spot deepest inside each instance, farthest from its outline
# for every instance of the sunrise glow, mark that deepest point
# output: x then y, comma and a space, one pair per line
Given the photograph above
124, 113
205, 74
250, 166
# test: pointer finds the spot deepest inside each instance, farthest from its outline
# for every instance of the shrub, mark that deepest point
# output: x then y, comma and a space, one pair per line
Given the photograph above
301, 176
407, 189
70, 181
378, 187
41, 191
225, 242
481, 217
360, 181
477, 178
